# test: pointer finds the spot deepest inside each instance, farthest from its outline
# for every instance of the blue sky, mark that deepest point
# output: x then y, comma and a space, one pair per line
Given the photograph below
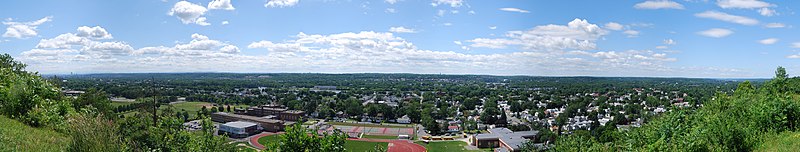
658, 38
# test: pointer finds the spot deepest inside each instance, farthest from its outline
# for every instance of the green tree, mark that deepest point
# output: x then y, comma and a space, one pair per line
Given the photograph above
299, 139
96, 99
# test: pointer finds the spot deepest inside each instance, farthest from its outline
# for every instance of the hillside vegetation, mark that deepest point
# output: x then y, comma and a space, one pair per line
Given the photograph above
743, 121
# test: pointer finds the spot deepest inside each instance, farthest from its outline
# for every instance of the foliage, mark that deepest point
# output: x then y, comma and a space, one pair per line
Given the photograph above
299, 139
738, 122
96, 99
91, 132
30, 98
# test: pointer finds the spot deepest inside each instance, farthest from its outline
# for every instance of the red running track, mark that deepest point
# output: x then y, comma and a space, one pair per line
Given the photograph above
397, 145
254, 139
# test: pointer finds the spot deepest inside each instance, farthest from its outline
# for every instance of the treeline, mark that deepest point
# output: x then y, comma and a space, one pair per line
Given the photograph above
740, 121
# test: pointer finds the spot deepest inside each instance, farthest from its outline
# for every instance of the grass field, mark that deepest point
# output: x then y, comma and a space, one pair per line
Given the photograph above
378, 137
448, 146
787, 141
361, 146
117, 104
16, 136
368, 125
268, 139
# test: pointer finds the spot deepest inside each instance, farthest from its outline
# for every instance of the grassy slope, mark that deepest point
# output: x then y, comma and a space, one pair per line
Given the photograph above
447, 146
16, 136
359, 146
787, 141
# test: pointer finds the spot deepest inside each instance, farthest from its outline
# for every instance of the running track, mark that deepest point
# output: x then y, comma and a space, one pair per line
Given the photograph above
254, 139
394, 145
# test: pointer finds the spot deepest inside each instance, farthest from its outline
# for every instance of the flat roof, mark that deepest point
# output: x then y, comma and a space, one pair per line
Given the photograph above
513, 139
250, 118
239, 124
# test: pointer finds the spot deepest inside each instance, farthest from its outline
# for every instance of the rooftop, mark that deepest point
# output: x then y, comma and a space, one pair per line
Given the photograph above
239, 124
513, 139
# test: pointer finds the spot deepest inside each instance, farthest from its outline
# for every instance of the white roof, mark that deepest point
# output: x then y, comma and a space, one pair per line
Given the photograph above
240, 124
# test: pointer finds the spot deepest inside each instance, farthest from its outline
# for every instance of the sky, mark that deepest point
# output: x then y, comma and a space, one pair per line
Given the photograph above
653, 38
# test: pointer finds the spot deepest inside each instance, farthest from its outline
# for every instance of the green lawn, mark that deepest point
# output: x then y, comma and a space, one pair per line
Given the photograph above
378, 137
117, 104
361, 146
787, 141
16, 136
448, 146
368, 125
268, 139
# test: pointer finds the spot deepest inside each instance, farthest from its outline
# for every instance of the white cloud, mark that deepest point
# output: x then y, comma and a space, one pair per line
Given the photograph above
796, 45
716, 32
201, 21
220, 4
492, 27
23, 30
774, 25
768, 41
658, 4
509, 9
631, 33
794, 56
767, 12
188, 12
577, 34
225, 23
727, 17
614, 26
452, 3
448, 24
281, 3
364, 51
96, 32
746, 4
392, 1
390, 10
401, 30
457, 42
670, 42
661, 47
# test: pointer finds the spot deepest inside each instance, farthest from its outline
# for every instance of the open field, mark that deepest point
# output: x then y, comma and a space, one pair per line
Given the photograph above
16, 136
448, 146
117, 104
361, 146
268, 139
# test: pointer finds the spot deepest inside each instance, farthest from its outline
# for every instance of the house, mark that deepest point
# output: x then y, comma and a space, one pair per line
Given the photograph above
404, 120
453, 129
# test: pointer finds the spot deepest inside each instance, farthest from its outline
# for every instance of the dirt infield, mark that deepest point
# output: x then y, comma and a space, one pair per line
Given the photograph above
397, 145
